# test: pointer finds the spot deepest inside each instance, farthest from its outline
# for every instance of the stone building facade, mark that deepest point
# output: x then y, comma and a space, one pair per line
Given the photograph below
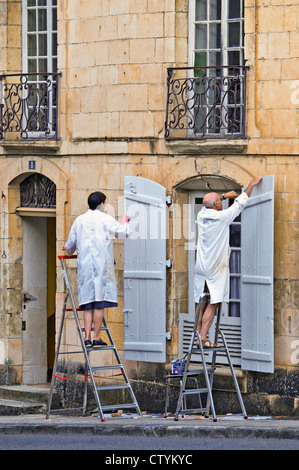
109, 115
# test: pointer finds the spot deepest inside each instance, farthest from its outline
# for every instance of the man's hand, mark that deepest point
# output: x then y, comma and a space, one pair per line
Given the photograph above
63, 248
251, 185
230, 195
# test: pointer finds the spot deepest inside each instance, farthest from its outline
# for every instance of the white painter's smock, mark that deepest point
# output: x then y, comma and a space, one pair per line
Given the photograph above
91, 235
213, 251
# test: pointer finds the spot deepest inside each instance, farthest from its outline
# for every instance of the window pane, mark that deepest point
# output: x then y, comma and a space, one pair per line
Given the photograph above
42, 3
234, 58
234, 9
42, 44
54, 19
215, 9
32, 65
201, 10
54, 65
235, 235
31, 20
42, 20
201, 36
234, 309
42, 65
215, 36
54, 44
233, 34
214, 60
31, 3
31, 45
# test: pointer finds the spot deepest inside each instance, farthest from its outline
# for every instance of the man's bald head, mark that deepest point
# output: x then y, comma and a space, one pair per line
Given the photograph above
210, 199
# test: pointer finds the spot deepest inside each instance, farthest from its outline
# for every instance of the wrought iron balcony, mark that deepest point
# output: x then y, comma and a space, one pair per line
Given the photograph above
28, 106
206, 102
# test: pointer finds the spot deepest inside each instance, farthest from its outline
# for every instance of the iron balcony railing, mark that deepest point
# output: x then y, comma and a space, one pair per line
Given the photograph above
206, 102
29, 106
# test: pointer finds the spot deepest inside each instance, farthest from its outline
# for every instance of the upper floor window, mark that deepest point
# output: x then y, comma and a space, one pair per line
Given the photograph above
39, 36
216, 34
207, 99
39, 63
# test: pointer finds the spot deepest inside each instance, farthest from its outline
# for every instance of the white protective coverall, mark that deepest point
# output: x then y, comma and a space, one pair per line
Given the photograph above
91, 235
213, 251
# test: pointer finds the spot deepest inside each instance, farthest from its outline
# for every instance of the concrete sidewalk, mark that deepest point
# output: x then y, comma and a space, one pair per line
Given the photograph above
153, 425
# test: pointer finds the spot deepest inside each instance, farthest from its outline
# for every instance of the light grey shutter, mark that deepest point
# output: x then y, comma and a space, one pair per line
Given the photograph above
257, 240
145, 271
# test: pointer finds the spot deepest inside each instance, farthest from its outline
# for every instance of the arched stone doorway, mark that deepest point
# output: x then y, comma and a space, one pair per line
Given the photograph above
37, 211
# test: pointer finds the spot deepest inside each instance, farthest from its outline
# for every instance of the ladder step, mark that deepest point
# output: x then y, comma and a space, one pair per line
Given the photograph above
195, 410
119, 366
192, 391
100, 348
113, 387
119, 407
200, 371
207, 350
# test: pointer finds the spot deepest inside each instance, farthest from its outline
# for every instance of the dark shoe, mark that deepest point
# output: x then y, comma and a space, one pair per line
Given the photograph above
98, 342
88, 343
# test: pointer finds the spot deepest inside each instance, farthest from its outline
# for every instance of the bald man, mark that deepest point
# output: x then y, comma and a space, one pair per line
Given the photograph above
213, 251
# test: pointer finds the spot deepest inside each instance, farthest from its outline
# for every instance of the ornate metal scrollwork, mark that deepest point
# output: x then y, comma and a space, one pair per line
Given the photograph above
28, 105
38, 191
208, 102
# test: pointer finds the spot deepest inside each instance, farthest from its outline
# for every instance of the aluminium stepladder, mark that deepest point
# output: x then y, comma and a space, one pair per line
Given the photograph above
207, 371
89, 370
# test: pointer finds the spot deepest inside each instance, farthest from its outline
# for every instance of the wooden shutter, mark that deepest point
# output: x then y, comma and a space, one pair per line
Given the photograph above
257, 316
145, 271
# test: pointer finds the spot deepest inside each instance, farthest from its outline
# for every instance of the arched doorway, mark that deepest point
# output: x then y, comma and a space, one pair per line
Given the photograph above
38, 212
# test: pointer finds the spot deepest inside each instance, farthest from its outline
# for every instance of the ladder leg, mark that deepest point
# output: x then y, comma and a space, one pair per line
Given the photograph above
85, 390
210, 401
214, 354
234, 377
53, 380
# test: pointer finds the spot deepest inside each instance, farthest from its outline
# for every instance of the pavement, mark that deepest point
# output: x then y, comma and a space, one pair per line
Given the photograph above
128, 424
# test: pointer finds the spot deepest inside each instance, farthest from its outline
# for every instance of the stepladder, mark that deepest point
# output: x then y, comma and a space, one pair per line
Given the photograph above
208, 356
101, 367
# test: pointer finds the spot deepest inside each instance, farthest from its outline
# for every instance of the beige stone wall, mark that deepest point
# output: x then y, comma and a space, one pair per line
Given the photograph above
271, 40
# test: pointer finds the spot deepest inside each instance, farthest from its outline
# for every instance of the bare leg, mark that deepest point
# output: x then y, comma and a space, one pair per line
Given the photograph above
88, 316
98, 318
207, 319
202, 310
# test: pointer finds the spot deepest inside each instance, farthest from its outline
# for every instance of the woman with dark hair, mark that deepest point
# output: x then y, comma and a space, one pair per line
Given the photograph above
91, 235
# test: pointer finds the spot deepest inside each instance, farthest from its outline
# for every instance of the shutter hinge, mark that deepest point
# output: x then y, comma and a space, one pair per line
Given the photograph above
168, 263
168, 200
168, 335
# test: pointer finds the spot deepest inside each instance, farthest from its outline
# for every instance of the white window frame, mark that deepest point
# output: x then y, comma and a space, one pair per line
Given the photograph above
223, 50
50, 57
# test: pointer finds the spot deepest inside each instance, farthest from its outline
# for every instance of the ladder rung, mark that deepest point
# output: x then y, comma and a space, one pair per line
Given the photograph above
192, 391
195, 410
206, 350
200, 371
100, 348
103, 328
119, 366
113, 387
119, 407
